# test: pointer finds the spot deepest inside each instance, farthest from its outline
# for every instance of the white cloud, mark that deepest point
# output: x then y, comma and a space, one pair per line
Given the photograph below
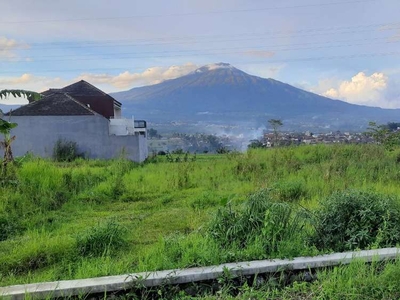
376, 89
124, 80
152, 75
28, 82
8, 48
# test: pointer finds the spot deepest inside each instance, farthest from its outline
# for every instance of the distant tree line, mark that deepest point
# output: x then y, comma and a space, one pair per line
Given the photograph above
385, 134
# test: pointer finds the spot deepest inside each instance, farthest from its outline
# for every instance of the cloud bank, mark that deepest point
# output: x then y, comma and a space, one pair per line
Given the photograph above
376, 89
125, 80
152, 75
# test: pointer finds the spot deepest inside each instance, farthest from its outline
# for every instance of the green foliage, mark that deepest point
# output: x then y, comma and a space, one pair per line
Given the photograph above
9, 226
5, 129
276, 124
203, 201
357, 220
5, 126
103, 239
384, 135
65, 151
178, 156
166, 208
289, 190
31, 96
358, 280
254, 144
262, 221
222, 150
153, 133
44, 250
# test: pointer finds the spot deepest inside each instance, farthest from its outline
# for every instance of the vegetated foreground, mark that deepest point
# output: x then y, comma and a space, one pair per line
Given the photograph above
92, 218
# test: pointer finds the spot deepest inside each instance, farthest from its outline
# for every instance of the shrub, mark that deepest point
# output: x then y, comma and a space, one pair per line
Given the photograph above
261, 220
102, 239
65, 151
352, 219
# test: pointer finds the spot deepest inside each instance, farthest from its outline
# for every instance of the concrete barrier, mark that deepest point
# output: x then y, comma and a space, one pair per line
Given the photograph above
179, 276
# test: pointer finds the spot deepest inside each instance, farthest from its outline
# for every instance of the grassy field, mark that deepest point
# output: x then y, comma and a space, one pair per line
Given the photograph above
92, 218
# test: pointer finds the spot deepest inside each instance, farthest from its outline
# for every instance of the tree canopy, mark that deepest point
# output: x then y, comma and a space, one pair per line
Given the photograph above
31, 96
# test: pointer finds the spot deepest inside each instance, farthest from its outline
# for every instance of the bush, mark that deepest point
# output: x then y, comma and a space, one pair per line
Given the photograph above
102, 239
261, 220
352, 219
65, 151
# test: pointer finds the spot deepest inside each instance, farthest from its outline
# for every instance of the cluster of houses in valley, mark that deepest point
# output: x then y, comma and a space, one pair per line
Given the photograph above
309, 138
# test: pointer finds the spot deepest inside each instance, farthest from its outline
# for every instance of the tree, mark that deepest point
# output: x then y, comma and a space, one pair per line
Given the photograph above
30, 96
5, 129
276, 124
383, 135
6, 126
153, 133
254, 144
392, 126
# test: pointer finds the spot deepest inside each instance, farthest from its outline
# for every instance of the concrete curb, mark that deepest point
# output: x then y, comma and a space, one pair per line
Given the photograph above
179, 276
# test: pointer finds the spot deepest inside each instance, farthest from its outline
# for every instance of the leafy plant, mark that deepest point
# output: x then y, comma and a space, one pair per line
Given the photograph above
5, 129
261, 220
383, 135
5, 126
353, 219
65, 151
31, 96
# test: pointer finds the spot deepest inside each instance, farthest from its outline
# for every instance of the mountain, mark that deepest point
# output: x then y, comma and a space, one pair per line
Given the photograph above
222, 94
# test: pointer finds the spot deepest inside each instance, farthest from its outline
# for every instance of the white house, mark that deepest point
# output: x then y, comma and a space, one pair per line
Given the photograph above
81, 113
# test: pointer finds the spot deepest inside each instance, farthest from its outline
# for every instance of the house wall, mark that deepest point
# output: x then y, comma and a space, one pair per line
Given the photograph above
38, 135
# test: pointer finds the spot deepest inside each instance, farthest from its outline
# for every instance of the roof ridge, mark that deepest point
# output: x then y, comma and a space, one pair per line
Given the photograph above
96, 88
104, 93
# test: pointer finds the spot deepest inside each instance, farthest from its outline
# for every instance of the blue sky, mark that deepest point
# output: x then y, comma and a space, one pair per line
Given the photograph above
344, 49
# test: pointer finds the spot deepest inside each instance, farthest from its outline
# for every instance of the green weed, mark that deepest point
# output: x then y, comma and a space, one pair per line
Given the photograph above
357, 220
103, 239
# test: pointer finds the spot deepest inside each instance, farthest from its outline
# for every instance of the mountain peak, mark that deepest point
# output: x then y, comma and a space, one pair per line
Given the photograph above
215, 66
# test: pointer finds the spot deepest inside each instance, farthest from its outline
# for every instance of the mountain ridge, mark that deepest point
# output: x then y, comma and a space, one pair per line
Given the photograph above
232, 95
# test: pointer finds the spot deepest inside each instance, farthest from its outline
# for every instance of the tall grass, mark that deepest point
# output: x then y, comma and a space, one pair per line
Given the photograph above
183, 214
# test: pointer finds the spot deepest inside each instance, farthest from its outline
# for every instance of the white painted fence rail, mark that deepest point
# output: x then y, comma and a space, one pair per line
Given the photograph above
179, 276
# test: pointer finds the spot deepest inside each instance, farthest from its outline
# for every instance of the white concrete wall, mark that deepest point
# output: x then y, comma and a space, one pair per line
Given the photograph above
38, 135
122, 126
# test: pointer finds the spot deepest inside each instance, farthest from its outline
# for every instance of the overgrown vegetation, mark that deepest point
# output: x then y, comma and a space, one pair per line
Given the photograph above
103, 239
86, 218
265, 227
352, 220
65, 151
5, 145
